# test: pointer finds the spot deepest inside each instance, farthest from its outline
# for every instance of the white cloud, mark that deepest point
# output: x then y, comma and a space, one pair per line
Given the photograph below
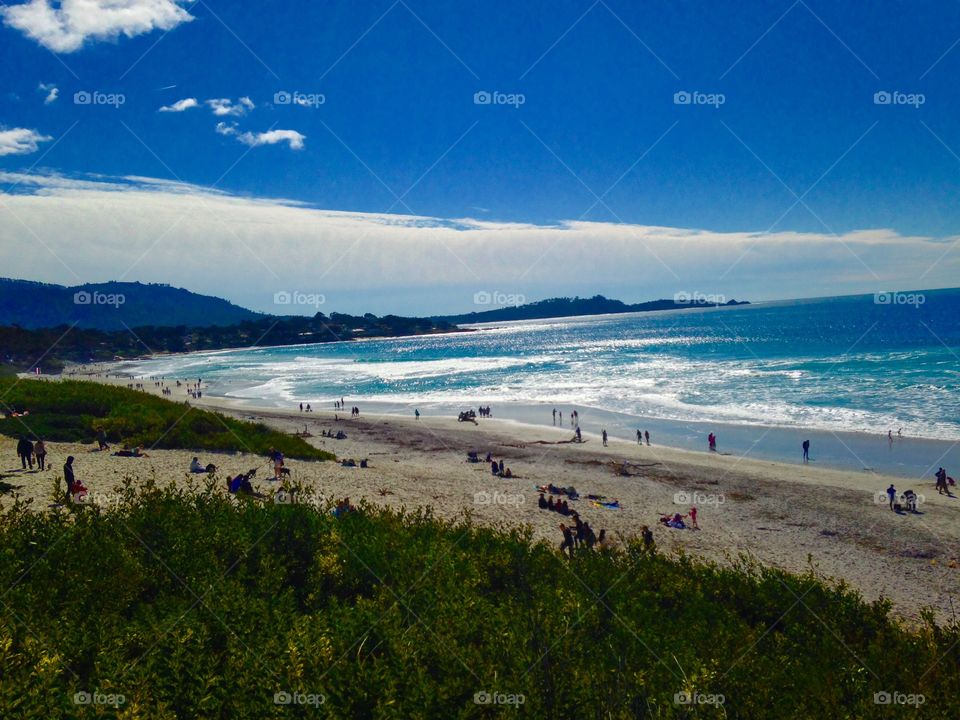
223, 107
21, 141
180, 105
270, 137
65, 26
248, 248
52, 91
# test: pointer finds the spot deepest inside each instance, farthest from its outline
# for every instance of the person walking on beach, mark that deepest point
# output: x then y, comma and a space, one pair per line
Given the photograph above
891, 494
416, 414
40, 452
561, 417
712, 442
604, 433
646, 434
301, 407
639, 438
567, 543
806, 451
554, 416
25, 452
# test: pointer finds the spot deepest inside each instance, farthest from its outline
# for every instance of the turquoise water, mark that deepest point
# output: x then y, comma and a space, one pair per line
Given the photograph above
835, 365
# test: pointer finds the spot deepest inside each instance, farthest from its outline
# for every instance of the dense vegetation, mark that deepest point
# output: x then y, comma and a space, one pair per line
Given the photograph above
49, 348
199, 605
68, 411
570, 307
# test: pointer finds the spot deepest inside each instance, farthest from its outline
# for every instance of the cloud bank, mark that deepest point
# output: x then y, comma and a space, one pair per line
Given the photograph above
65, 26
67, 230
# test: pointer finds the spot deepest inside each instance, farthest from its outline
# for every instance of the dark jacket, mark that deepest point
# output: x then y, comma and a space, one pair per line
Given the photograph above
24, 447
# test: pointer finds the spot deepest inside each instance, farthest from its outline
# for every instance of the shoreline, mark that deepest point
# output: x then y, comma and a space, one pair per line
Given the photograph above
906, 458
792, 517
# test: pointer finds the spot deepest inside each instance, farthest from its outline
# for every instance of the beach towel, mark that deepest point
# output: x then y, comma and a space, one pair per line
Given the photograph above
612, 505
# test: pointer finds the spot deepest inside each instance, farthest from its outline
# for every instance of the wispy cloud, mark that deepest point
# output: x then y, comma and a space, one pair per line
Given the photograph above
223, 107
180, 105
21, 141
65, 26
52, 91
270, 137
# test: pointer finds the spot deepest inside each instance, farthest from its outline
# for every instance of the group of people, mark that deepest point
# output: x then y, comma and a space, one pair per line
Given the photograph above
484, 411
898, 502
305, 409
558, 417
27, 451
339, 435
643, 435
560, 506
497, 469
581, 537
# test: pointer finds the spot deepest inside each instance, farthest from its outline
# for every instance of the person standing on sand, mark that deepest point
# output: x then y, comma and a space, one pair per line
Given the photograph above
416, 414
806, 451
639, 438
693, 518
892, 494
567, 543
25, 452
301, 407
561, 418
554, 416
604, 433
40, 451
646, 434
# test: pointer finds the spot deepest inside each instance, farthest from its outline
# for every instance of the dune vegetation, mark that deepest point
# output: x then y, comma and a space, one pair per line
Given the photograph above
70, 410
189, 603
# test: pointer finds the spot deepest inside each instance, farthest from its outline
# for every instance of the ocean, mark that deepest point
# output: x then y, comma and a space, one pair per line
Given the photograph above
839, 371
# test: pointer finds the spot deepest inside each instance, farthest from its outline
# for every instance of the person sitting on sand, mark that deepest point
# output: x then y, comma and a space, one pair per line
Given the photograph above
542, 502
550, 506
494, 468
363, 463
564, 508
343, 507
102, 439
195, 466
241, 484
508, 473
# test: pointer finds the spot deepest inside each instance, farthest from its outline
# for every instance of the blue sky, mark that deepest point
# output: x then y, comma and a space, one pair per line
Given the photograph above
783, 108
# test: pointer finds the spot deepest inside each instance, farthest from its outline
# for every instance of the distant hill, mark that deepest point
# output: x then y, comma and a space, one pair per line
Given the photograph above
111, 305
570, 307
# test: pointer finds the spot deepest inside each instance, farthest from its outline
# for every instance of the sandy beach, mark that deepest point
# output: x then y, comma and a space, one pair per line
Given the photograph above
794, 517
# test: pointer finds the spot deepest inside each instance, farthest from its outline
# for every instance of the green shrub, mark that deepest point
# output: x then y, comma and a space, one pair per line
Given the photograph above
197, 605
69, 410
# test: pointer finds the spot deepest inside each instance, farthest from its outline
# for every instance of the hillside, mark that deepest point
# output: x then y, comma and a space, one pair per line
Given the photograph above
571, 307
111, 305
